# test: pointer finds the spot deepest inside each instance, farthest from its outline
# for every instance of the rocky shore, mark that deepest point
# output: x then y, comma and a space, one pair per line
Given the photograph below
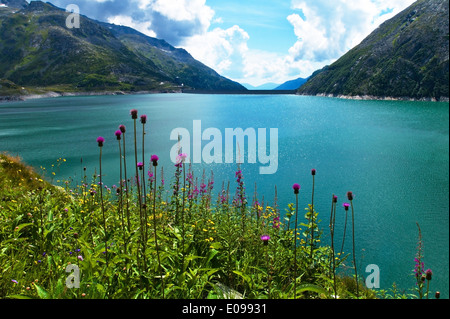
16, 98
382, 98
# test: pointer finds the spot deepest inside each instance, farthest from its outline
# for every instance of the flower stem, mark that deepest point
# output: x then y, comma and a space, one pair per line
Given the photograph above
126, 183
312, 221
332, 224
156, 237
354, 257
295, 247
121, 198
103, 207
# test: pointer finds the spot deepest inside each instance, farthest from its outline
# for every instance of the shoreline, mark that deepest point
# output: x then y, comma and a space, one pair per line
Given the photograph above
52, 94
379, 98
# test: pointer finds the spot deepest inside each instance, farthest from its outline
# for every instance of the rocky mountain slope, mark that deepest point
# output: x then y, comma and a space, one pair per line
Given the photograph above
406, 57
37, 49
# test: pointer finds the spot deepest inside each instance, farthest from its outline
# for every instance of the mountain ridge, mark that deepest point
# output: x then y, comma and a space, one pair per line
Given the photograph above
404, 58
292, 84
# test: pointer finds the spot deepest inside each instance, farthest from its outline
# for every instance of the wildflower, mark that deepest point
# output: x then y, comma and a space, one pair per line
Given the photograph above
437, 295
118, 134
276, 222
265, 239
100, 141
296, 188
350, 195
346, 205
154, 160
428, 274
181, 158
313, 172
14, 281
334, 199
134, 114
122, 128
80, 258
143, 119
140, 165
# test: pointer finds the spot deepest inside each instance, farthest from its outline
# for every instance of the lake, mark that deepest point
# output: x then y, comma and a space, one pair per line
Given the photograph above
393, 155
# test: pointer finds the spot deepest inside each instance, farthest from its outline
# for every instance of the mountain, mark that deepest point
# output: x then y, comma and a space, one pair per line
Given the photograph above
292, 84
265, 86
405, 57
38, 50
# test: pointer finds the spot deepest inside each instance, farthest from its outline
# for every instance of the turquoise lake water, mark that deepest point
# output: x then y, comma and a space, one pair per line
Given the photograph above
393, 155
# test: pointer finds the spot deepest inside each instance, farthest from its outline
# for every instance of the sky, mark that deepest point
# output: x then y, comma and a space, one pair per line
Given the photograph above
251, 41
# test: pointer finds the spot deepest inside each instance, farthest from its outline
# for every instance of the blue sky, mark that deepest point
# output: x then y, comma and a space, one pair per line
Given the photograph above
251, 41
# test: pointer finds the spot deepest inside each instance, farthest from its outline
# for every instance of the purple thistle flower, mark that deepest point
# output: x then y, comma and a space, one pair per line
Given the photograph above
100, 141
118, 134
143, 119
350, 195
122, 128
346, 205
140, 165
134, 114
313, 172
428, 274
154, 160
265, 239
296, 188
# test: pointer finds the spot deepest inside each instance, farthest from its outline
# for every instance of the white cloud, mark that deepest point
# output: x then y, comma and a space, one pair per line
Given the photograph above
325, 30
184, 10
221, 49
143, 27
328, 32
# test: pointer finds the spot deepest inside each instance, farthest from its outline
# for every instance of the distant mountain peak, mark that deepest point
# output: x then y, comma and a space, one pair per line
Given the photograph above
292, 84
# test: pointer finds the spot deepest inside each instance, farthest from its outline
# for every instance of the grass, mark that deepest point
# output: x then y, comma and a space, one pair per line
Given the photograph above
191, 244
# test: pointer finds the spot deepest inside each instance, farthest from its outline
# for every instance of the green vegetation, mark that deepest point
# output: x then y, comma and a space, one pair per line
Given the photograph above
145, 238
